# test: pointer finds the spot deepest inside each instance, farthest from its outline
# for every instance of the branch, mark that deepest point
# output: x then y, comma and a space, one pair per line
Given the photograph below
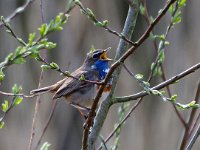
194, 138
47, 123
191, 122
194, 110
18, 11
35, 115
103, 24
159, 86
13, 94
101, 115
37, 103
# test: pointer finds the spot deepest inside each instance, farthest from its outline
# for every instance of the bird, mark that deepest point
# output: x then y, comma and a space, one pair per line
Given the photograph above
79, 93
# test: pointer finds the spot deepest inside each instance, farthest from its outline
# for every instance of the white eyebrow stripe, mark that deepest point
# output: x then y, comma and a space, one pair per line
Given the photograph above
97, 52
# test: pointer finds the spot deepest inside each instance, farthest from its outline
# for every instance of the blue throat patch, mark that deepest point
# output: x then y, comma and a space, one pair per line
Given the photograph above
103, 68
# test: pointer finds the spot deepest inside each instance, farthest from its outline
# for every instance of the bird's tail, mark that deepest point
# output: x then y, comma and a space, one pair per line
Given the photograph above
41, 90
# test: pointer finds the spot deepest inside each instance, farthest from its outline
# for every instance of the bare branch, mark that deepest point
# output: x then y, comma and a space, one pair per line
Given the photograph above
54, 102
12, 94
194, 138
18, 11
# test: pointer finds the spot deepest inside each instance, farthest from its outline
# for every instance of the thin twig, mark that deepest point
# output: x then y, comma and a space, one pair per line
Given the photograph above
194, 138
37, 103
8, 110
35, 115
174, 107
47, 123
125, 118
194, 110
10, 30
18, 11
106, 27
12, 94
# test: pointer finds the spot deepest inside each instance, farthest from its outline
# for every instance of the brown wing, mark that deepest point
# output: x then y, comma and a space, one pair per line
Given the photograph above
70, 85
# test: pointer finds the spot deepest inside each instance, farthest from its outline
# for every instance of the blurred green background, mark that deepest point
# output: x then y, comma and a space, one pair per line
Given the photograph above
153, 126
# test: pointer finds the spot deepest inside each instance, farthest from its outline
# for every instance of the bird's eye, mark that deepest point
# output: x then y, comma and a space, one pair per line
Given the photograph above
96, 55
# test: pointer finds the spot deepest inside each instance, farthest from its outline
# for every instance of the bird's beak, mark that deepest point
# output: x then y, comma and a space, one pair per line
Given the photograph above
104, 56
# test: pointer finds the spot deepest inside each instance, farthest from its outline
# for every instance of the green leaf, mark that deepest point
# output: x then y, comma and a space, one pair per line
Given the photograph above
1, 124
146, 83
42, 30
91, 14
18, 100
166, 43
20, 60
98, 24
45, 67
16, 89
152, 66
171, 8
5, 106
45, 146
155, 92
105, 23
9, 57
139, 76
54, 65
174, 97
192, 104
142, 9
82, 77
2, 18
2, 75
182, 3
77, 2
31, 38
34, 55
67, 73
176, 20
50, 45
161, 56
19, 50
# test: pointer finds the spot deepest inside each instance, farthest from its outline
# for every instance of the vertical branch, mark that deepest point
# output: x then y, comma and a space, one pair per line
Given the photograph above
47, 123
38, 97
191, 122
194, 110
122, 47
35, 115
194, 138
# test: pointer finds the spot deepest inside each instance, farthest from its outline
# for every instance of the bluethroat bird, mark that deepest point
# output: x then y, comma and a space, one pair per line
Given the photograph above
79, 93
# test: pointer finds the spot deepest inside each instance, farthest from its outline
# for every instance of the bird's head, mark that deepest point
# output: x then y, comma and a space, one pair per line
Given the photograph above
96, 58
